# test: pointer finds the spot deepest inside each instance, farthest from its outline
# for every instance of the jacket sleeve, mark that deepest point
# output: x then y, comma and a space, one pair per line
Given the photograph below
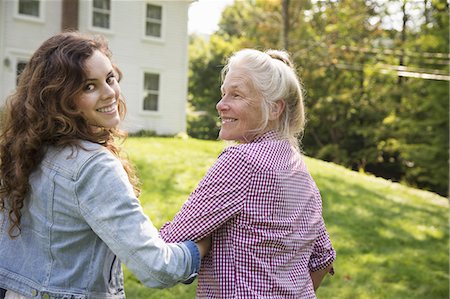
107, 202
219, 196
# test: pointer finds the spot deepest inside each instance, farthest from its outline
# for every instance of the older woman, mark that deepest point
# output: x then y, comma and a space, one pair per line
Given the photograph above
258, 201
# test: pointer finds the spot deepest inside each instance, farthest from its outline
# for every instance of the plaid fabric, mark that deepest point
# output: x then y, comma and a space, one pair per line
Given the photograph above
264, 213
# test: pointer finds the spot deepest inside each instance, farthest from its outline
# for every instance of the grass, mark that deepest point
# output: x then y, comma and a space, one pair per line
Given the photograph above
391, 241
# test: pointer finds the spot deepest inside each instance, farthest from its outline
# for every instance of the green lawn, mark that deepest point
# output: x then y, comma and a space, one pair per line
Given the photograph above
391, 241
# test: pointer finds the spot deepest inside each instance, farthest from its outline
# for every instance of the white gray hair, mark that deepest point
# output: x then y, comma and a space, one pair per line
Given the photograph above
274, 77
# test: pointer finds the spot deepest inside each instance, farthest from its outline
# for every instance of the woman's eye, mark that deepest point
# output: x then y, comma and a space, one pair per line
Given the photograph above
89, 87
111, 79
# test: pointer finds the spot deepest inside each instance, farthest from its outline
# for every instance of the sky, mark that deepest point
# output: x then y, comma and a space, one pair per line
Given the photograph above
204, 15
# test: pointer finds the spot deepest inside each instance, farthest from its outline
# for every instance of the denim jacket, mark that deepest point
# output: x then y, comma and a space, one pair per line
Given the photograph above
79, 222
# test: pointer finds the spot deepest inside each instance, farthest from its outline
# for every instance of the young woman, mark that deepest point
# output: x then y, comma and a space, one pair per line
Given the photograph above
69, 208
258, 201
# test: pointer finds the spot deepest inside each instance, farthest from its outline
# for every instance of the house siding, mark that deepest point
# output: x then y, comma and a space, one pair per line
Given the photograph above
132, 52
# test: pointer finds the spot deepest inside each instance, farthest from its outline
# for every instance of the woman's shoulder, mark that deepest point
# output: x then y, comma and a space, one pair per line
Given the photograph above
249, 154
266, 153
75, 152
266, 145
69, 160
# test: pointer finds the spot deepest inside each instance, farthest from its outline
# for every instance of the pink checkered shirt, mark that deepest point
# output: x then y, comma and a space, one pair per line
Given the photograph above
264, 213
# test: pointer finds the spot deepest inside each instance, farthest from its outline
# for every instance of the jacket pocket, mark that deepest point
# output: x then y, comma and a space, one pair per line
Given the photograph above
113, 274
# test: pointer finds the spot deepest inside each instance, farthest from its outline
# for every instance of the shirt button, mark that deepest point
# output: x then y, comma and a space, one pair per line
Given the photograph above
34, 293
46, 296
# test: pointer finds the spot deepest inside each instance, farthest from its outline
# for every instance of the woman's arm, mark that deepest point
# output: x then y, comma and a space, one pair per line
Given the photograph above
219, 196
107, 202
204, 245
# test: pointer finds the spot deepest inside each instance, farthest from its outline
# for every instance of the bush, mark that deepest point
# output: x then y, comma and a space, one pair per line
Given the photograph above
202, 126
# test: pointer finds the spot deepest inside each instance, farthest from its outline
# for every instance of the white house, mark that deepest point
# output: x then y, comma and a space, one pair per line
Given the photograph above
148, 39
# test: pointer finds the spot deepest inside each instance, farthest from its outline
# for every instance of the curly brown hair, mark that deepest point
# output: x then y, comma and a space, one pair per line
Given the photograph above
42, 112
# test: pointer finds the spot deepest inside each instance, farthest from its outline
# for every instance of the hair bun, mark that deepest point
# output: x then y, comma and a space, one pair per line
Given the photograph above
281, 55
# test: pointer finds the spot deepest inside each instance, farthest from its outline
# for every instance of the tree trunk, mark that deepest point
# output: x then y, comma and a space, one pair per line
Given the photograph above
286, 25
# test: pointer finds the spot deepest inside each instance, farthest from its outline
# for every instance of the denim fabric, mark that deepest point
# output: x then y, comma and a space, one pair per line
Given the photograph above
80, 221
13, 295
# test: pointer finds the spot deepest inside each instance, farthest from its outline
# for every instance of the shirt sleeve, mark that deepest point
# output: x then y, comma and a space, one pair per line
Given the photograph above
323, 253
107, 202
219, 196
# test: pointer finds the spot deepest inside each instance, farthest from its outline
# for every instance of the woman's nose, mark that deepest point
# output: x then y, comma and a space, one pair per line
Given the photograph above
109, 91
221, 105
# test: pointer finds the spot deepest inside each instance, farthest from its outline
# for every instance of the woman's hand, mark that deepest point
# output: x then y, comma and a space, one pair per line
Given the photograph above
317, 276
204, 245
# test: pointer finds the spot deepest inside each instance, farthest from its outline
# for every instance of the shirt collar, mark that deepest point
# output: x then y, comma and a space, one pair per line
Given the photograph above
269, 135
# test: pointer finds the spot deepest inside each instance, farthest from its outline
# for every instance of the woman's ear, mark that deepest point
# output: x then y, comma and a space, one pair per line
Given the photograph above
277, 109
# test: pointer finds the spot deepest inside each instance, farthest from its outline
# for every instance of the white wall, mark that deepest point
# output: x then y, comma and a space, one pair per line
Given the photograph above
132, 52
20, 36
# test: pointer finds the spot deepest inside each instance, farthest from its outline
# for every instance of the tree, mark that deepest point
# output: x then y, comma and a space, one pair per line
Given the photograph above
423, 127
206, 60
367, 108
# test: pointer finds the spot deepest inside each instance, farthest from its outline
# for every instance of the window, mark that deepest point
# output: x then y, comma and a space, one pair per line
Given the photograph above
151, 92
153, 20
101, 13
19, 69
29, 8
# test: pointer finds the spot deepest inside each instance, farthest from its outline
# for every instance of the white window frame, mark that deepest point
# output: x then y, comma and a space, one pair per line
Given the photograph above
15, 56
144, 92
18, 60
37, 19
91, 11
162, 23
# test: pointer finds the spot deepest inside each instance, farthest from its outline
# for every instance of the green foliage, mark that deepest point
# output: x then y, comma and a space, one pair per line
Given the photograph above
361, 114
424, 136
255, 23
423, 128
202, 126
391, 240
205, 63
143, 133
206, 60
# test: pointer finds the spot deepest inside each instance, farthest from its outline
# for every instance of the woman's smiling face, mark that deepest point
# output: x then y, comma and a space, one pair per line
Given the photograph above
240, 108
99, 98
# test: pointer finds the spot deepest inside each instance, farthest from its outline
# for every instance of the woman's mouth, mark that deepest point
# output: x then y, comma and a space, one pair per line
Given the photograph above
225, 120
109, 108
